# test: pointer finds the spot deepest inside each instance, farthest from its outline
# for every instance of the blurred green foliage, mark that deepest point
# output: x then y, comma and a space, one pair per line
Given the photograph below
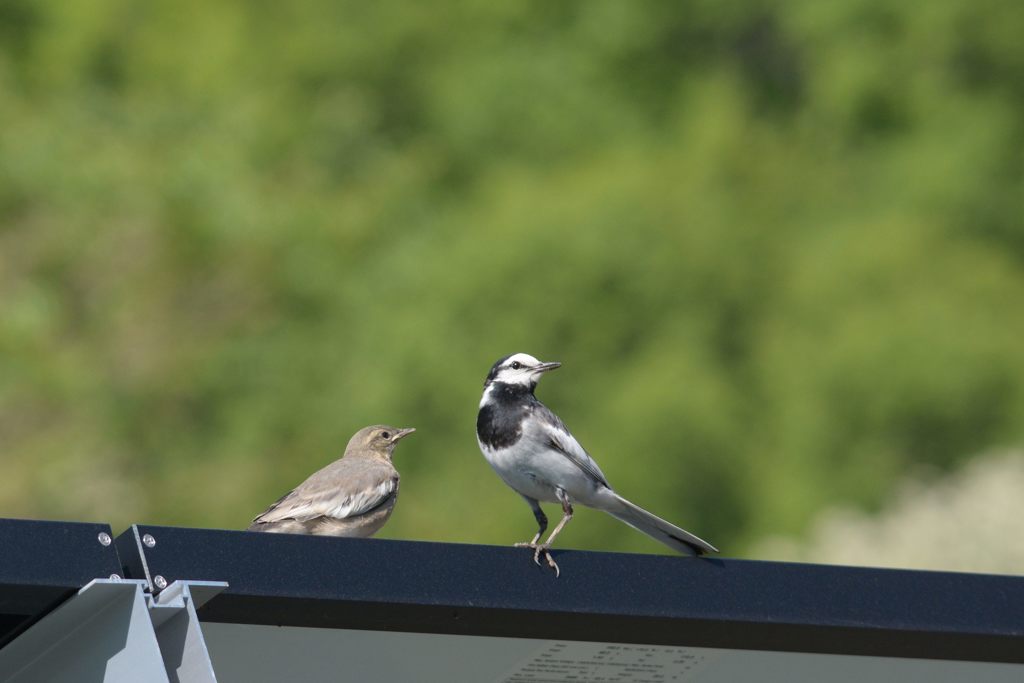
779, 248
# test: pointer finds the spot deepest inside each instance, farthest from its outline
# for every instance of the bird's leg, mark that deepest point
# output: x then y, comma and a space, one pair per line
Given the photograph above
544, 547
542, 523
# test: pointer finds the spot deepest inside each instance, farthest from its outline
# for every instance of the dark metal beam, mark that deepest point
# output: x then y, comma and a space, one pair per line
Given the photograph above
43, 563
371, 584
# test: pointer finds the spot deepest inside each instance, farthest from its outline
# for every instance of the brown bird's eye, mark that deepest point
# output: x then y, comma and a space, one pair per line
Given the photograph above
516, 365
386, 435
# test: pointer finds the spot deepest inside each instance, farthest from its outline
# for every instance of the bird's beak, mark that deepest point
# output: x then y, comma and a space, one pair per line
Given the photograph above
402, 433
544, 367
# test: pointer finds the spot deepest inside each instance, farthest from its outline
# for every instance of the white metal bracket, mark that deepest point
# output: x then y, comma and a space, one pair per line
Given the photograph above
113, 631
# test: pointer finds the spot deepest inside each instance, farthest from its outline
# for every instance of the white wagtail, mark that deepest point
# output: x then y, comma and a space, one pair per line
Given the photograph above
533, 452
353, 496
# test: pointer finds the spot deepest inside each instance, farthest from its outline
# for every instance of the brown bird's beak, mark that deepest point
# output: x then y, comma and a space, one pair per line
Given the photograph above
402, 433
544, 367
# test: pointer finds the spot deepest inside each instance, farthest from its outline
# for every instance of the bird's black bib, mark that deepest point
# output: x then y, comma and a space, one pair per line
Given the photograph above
499, 424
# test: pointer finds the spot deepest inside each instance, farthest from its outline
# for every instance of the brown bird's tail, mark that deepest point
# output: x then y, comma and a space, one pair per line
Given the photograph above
657, 528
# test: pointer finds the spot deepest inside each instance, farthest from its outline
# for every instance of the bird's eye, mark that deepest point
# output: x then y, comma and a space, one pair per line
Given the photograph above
516, 365
386, 435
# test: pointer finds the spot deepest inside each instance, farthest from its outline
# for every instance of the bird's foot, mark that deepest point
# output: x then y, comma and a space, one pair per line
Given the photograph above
538, 550
543, 549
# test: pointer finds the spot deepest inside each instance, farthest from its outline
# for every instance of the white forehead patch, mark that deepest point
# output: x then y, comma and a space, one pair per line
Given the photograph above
519, 368
524, 358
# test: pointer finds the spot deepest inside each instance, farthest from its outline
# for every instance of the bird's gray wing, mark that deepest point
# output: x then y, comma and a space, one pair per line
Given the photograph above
561, 439
346, 488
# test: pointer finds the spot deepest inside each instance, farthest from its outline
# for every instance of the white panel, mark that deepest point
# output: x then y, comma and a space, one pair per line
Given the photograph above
255, 654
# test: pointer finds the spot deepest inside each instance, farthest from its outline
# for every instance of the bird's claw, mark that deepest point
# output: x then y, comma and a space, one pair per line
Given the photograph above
537, 549
547, 556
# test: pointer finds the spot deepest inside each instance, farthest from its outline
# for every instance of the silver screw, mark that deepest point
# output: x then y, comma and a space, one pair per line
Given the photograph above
160, 582
104, 538
115, 577
148, 541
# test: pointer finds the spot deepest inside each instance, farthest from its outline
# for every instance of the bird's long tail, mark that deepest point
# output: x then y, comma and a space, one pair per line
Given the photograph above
657, 528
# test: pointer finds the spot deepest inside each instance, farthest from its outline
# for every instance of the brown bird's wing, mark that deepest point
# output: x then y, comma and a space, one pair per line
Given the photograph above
346, 488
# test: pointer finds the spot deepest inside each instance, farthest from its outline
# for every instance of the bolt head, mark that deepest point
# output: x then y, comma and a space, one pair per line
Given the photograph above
160, 582
115, 577
104, 538
148, 541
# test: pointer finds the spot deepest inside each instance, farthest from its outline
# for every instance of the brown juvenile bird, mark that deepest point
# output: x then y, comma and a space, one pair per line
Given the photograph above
353, 496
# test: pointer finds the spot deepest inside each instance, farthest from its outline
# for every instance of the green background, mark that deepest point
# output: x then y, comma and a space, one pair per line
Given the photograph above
778, 247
